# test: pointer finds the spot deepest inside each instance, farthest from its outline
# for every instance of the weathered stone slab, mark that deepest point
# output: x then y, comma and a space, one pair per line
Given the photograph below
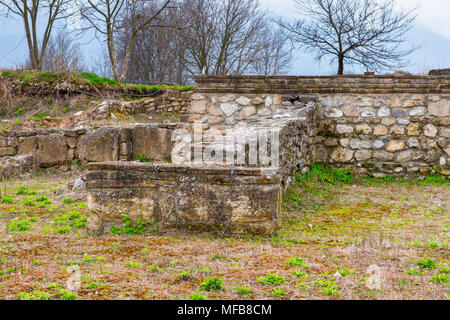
236, 200
98, 146
51, 150
153, 142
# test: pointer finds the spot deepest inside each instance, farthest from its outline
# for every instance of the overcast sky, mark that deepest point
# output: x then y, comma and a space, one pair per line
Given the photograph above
433, 14
431, 33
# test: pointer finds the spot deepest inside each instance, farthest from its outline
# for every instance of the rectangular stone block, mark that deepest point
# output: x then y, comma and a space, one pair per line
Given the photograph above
236, 200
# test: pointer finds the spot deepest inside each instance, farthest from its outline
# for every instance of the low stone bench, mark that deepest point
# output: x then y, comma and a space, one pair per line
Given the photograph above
231, 199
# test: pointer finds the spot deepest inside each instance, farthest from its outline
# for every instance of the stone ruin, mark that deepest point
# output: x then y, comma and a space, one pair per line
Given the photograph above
226, 165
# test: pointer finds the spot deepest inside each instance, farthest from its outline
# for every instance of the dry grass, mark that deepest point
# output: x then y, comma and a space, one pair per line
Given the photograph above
330, 227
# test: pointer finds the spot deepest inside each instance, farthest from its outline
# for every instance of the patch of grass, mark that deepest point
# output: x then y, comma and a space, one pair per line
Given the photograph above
218, 256
153, 268
43, 199
440, 278
7, 200
345, 272
212, 284
72, 219
243, 290
143, 158
272, 279
298, 274
132, 264
27, 201
95, 285
278, 292
427, 263
322, 174
203, 270
185, 275
37, 263
40, 116
296, 262
66, 295
34, 295
329, 288
197, 296
23, 190
95, 80
19, 225
129, 228
54, 286
67, 201
413, 272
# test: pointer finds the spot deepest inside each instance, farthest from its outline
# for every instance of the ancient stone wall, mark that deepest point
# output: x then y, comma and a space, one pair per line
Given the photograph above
246, 120
62, 147
381, 125
385, 134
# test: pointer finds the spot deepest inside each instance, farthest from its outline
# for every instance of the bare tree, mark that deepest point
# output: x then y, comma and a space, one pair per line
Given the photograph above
29, 11
107, 17
62, 54
275, 54
210, 36
370, 33
157, 54
223, 37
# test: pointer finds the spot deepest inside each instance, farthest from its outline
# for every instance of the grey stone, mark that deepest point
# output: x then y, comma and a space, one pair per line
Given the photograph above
399, 113
333, 113
378, 144
368, 112
229, 108
384, 112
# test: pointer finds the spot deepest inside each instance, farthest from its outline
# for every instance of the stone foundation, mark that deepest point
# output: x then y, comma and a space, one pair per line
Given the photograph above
59, 147
225, 199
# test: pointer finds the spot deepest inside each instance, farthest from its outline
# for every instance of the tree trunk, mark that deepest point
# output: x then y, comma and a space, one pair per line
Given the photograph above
112, 54
126, 60
341, 64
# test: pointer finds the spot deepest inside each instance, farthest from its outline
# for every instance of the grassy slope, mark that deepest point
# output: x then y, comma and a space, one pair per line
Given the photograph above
84, 78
